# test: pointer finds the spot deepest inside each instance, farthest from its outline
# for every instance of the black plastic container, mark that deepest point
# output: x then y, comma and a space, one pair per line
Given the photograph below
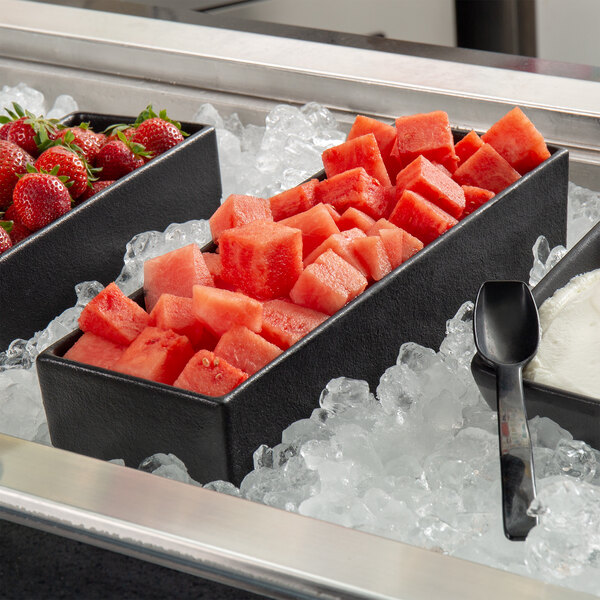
109, 415
577, 413
38, 275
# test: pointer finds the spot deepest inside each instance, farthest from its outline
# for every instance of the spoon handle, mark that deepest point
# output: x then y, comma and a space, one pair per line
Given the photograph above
516, 457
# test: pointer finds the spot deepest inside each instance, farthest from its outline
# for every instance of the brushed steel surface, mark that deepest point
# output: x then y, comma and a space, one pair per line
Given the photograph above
232, 540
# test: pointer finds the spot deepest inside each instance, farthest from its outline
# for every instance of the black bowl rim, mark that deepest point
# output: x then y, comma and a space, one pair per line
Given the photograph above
50, 353
139, 172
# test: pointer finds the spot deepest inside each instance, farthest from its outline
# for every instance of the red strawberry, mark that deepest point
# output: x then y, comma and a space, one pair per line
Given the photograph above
18, 232
39, 199
13, 162
87, 140
157, 135
4, 130
126, 130
69, 164
96, 187
119, 157
28, 131
5, 241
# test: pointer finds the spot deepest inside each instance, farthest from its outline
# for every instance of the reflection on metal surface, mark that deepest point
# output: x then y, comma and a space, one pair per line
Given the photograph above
229, 539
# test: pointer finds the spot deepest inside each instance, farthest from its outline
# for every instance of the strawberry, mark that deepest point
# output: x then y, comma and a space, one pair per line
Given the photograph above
111, 133
157, 135
94, 189
18, 232
119, 157
28, 131
40, 198
69, 163
4, 130
13, 162
5, 241
87, 140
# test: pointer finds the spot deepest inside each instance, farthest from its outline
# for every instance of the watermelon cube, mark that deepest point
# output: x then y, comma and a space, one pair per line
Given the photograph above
486, 169
176, 313
468, 146
316, 225
421, 218
363, 152
353, 217
114, 316
294, 201
284, 323
474, 198
517, 140
422, 177
386, 140
221, 310
341, 244
238, 210
328, 284
206, 373
262, 259
175, 272
399, 245
157, 355
371, 253
379, 225
335, 215
246, 350
354, 188
426, 134
92, 349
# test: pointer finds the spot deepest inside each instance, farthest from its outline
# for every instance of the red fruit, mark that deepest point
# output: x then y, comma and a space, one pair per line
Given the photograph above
28, 131
18, 232
89, 141
39, 199
4, 130
69, 164
5, 241
13, 162
23, 134
117, 159
96, 187
157, 133
127, 132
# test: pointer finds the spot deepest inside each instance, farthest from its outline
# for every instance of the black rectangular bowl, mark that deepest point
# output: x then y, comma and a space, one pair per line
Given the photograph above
38, 275
109, 415
577, 413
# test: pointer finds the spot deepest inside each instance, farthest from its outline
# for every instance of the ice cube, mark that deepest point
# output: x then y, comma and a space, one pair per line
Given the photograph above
63, 105
544, 259
575, 459
27, 97
223, 487
168, 466
583, 212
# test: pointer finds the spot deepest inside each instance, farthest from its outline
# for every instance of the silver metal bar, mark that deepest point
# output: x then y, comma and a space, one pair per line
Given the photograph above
232, 540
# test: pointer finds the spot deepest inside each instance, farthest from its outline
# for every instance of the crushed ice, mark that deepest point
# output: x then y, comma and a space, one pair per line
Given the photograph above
418, 461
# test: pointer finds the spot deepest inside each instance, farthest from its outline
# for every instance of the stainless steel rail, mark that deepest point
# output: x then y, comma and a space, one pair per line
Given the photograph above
122, 62
232, 540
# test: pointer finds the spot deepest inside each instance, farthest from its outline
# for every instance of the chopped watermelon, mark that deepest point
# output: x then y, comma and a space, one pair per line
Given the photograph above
486, 169
386, 140
215, 266
399, 245
379, 225
426, 134
238, 210
354, 188
157, 355
262, 259
285, 323
221, 310
468, 146
328, 284
176, 273
422, 177
363, 152
335, 215
517, 140
371, 253
421, 218
341, 244
474, 198
176, 313
296, 200
316, 225
95, 350
210, 375
114, 316
352, 218
246, 350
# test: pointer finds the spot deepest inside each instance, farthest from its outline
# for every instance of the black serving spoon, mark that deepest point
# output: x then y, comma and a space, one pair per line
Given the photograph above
507, 334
